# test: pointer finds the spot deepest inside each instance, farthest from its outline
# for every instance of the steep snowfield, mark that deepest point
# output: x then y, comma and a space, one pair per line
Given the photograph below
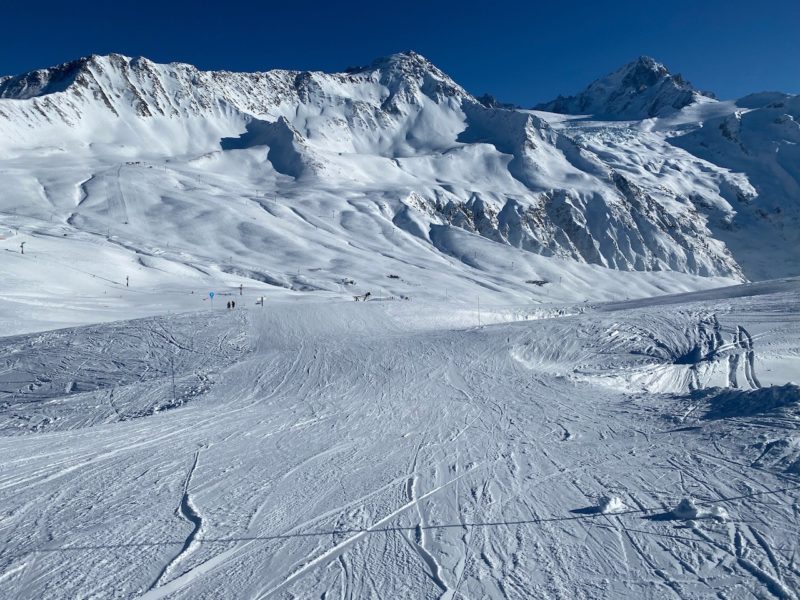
295, 182
388, 449
763, 143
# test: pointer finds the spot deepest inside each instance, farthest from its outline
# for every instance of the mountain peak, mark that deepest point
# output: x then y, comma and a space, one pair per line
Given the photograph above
404, 58
640, 89
648, 62
646, 67
407, 71
41, 82
403, 61
120, 83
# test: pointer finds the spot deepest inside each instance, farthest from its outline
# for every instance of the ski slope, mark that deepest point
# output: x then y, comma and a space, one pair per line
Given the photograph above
179, 231
335, 449
559, 387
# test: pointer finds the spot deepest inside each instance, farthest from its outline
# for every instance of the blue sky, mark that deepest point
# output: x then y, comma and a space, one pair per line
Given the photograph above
523, 52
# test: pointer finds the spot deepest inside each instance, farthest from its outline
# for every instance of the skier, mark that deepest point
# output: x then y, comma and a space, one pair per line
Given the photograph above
228, 305
233, 304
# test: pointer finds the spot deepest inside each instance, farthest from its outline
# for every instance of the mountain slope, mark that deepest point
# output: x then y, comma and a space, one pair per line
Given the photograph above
762, 142
300, 181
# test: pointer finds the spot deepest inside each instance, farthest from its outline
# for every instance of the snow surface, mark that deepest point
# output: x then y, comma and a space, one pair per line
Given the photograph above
556, 350
374, 449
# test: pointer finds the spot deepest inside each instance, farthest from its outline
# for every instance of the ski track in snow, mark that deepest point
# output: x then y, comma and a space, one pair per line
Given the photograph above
355, 450
189, 513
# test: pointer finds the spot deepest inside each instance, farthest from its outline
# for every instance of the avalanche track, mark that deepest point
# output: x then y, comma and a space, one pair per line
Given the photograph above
367, 450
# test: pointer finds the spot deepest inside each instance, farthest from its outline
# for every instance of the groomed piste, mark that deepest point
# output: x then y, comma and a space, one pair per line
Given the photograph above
344, 449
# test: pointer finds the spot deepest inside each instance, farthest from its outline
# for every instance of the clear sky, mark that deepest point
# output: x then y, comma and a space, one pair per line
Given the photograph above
522, 52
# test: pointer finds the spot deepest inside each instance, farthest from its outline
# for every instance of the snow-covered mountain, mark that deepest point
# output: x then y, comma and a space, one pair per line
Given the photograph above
300, 181
547, 417
760, 139
641, 89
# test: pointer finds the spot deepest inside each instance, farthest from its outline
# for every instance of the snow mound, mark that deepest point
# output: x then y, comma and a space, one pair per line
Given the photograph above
608, 505
745, 403
781, 453
687, 510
